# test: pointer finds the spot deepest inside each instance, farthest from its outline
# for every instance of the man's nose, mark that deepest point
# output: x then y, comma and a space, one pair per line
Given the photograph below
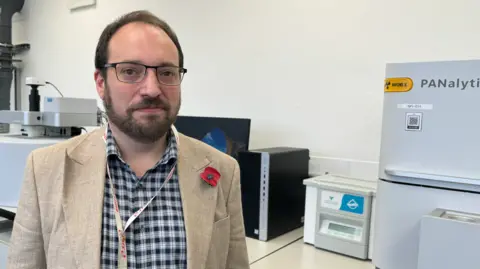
151, 85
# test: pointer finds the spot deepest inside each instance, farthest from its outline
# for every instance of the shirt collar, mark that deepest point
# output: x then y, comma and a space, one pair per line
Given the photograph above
170, 153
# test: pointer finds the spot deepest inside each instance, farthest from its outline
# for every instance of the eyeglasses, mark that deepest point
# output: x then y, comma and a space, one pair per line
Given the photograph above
135, 72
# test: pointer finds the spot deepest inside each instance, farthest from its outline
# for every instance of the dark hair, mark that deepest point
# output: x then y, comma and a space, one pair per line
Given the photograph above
101, 53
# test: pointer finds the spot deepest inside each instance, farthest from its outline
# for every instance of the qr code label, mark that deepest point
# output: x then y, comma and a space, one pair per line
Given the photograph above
413, 122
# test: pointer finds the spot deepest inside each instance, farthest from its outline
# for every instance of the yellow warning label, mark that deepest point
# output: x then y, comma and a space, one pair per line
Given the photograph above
398, 84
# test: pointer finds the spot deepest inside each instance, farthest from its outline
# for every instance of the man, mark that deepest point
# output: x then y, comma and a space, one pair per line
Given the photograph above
135, 194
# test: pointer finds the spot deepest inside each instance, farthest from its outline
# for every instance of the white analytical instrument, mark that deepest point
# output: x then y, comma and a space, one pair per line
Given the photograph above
15, 149
459, 231
429, 163
338, 214
60, 119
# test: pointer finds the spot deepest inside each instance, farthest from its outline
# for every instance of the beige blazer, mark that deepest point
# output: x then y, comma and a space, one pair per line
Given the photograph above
59, 217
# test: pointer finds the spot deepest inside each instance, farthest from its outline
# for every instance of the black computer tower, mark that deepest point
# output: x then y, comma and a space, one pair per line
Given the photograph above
273, 193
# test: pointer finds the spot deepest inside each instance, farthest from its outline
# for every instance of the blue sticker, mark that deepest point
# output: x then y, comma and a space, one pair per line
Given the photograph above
49, 100
352, 204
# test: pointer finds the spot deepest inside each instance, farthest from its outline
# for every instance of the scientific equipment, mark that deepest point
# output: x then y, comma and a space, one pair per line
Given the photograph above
61, 116
60, 119
14, 151
443, 232
9, 68
429, 156
338, 214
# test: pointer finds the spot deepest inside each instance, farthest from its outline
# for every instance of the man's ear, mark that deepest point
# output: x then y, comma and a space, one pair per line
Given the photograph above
99, 83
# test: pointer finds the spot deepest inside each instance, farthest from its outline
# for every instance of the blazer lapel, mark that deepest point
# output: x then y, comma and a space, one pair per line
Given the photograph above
199, 203
84, 178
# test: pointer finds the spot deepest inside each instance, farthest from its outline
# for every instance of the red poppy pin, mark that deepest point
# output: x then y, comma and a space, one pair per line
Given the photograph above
211, 176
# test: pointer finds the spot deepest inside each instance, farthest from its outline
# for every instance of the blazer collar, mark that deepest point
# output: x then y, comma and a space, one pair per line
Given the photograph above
82, 198
84, 182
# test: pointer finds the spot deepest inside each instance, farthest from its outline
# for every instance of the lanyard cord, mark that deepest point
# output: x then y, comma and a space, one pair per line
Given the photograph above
122, 240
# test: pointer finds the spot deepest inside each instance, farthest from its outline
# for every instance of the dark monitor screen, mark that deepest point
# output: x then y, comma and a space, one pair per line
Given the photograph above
229, 135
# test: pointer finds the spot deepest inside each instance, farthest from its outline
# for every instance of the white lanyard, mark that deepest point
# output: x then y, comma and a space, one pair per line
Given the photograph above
122, 239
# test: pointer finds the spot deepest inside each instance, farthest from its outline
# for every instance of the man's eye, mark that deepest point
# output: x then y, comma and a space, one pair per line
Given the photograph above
166, 73
129, 72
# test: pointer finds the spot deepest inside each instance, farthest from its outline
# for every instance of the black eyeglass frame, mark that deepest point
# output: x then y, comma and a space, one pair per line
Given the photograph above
182, 71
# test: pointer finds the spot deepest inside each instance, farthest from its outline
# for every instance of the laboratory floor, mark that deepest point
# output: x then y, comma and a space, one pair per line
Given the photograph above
289, 251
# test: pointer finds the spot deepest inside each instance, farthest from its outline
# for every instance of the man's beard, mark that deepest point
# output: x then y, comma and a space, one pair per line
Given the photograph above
152, 130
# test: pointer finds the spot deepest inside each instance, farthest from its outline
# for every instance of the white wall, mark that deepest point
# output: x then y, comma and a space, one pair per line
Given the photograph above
308, 72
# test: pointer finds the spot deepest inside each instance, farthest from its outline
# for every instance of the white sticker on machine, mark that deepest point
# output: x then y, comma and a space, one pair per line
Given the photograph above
413, 121
416, 106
